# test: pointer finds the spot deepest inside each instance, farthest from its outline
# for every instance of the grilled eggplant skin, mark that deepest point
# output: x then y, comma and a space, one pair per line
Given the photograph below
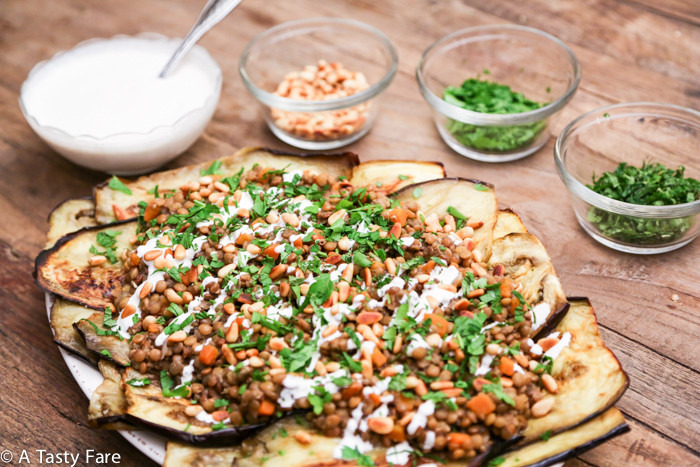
63, 269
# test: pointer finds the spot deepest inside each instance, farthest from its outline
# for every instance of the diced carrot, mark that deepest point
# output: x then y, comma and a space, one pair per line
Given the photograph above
455, 440
267, 408
429, 266
270, 251
478, 383
507, 366
437, 323
376, 400
151, 212
397, 434
395, 230
220, 415
208, 354
242, 238
298, 242
481, 405
398, 215
378, 358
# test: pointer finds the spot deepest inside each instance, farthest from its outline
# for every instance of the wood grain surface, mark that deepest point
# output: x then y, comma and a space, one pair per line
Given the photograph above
630, 50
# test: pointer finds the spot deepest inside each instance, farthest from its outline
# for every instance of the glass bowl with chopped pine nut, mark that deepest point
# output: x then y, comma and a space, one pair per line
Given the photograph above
493, 88
318, 80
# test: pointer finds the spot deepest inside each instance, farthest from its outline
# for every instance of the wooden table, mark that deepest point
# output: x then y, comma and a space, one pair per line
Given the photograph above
630, 50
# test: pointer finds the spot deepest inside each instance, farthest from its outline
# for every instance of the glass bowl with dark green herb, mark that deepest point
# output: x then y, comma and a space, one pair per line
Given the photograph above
633, 172
493, 88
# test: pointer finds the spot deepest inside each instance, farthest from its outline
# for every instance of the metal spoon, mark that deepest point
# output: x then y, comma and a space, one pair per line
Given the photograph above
213, 12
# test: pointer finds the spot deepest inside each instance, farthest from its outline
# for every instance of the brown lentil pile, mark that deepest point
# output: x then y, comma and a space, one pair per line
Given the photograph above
268, 291
321, 82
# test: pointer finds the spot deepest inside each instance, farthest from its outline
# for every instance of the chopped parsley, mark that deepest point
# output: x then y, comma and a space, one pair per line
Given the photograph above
107, 239
118, 185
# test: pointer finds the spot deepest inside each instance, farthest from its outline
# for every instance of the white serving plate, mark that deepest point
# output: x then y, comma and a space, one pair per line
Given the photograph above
88, 378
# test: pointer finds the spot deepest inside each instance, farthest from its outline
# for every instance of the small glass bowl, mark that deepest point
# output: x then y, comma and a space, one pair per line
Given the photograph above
528, 60
290, 47
129, 153
635, 133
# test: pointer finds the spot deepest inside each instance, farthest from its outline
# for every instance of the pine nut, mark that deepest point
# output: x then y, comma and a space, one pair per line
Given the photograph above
253, 249
222, 187
290, 219
256, 362
493, 349
344, 244
97, 260
302, 437
193, 410
439, 385
178, 336
329, 330
232, 333
151, 255
390, 266
173, 297
542, 407
320, 369
277, 343
336, 216
145, 290
423, 278
549, 383
223, 272
332, 367
343, 291
381, 425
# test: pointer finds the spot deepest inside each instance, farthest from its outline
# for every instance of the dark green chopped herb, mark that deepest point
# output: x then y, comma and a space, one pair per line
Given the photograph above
166, 385
488, 97
546, 435
496, 461
118, 185
651, 185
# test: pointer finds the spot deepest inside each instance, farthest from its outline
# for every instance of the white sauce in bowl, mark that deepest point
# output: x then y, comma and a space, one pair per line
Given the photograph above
102, 105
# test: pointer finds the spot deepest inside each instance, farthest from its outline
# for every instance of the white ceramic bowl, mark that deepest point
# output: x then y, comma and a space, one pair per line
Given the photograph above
129, 153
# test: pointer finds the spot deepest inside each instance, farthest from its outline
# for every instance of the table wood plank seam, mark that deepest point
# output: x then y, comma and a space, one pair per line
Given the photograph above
661, 434
660, 12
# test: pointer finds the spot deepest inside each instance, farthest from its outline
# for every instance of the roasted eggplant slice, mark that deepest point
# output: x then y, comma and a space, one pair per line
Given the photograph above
111, 202
147, 407
508, 222
285, 450
391, 176
64, 270
589, 377
108, 403
69, 216
106, 346
474, 199
63, 315
526, 261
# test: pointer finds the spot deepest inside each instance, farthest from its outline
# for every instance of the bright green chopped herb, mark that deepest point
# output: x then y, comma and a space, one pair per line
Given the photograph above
379, 184
480, 187
651, 185
361, 260
106, 353
354, 454
241, 390
488, 97
546, 435
166, 385
139, 382
118, 185
108, 240
213, 169
403, 177
496, 461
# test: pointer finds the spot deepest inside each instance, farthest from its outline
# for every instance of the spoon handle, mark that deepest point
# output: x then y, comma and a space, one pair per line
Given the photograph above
213, 12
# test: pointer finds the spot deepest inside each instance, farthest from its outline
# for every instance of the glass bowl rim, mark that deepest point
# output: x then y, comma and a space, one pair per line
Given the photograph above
299, 105
479, 118
612, 205
144, 35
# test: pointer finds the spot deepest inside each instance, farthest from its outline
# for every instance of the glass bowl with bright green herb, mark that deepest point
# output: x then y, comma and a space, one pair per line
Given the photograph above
493, 88
633, 171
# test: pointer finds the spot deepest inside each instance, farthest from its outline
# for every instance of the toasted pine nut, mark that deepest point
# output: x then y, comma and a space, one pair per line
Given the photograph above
302, 437
549, 383
222, 187
232, 333
378, 329
343, 291
223, 272
97, 260
320, 369
193, 410
329, 330
434, 340
277, 343
348, 272
344, 244
145, 290
256, 362
332, 367
439, 385
381, 425
476, 293
493, 349
180, 252
178, 336
390, 266
290, 219
542, 407
153, 254
397, 344
336, 216
173, 297
423, 278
